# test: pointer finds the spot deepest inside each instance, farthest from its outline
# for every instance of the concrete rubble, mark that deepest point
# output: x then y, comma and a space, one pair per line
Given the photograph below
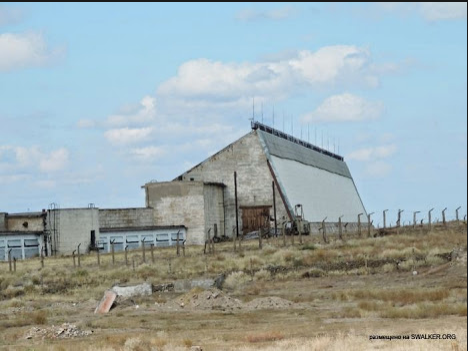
64, 331
144, 289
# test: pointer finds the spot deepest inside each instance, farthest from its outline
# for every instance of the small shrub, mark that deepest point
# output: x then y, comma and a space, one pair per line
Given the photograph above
262, 275
39, 317
236, 279
265, 337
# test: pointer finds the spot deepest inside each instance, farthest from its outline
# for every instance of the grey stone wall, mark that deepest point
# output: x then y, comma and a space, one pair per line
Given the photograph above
75, 228
246, 156
179, 203
24, 224
3, 221
214, 208
126, 217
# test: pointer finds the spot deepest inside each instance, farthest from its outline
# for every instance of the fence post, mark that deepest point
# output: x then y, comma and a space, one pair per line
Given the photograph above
215, 235
9, 260
385, 219
359, 224
324, 231
113, 252
340, 228
456, 215
369, 224
126, 256
430, 219
260, 246
183, 248
42, 257
98, 256
74, 262
79, 259
177, 244
152, 253
283, 232
14, 264
399, 220
144, 250
443, 217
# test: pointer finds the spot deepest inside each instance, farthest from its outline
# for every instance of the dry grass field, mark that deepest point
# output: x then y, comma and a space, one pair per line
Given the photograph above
312, 296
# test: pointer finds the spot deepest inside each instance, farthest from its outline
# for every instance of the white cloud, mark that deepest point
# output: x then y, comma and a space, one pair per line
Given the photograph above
144, 113
203, 81
149, 153
378, 169
372, 153
430, 11
128, 135
345, 108
282, 13
54, 161
439, 11
33, 158
9, 15
26, 50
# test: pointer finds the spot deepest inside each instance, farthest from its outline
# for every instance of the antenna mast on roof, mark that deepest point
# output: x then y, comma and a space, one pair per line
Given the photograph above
262, 111
273, 116
283, 121
253, 109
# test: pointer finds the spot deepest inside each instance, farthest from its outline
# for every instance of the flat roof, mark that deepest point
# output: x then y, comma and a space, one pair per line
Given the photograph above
142, 228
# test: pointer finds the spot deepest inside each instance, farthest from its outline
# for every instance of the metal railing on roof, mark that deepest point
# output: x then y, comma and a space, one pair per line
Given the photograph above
267, 129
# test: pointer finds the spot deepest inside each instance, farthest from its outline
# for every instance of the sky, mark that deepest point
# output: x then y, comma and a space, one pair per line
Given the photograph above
97, 99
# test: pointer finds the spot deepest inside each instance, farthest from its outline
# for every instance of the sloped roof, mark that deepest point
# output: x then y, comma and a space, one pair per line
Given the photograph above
315, 178
286, 149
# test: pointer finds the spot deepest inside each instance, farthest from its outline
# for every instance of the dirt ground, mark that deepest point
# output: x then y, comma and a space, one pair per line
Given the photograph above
219, 321
304, 312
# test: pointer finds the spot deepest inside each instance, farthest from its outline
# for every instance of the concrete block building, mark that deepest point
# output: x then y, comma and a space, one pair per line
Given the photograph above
301, 173
22, 235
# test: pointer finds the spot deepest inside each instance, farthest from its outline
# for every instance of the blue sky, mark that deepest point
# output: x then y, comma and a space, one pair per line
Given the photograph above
98, 99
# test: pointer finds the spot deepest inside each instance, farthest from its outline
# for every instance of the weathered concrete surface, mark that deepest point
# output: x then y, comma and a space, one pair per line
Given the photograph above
3, 221
26, 223
106, 302
246, 157
144, 289
126, 217
75, 228
179, 203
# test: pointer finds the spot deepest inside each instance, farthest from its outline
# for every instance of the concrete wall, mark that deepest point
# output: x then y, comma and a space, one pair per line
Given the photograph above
126, 217
2, 221
254, 179
75, 228
24, 224
214, 208
179, 203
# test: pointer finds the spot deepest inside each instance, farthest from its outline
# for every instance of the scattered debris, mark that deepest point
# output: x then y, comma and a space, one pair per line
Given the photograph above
163, 287
204, 300
215, 299
106, 302
196, 348
134, 290
271, 302
65, 331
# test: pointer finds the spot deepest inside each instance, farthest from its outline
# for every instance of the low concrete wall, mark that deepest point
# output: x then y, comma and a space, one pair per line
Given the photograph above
126, 217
